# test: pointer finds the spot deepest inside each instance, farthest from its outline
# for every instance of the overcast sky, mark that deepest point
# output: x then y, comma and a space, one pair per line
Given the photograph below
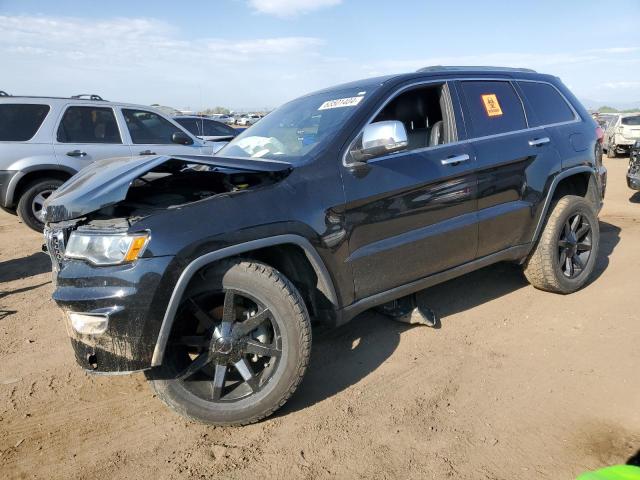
259, 53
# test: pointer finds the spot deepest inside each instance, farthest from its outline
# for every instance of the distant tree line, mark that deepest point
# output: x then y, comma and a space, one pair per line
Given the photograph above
211, 111
607, 109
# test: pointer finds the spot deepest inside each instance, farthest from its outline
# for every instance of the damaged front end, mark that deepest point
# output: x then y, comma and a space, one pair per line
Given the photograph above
110, 285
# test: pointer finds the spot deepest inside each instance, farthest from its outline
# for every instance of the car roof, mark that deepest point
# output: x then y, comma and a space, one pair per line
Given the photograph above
437, 71
70, 101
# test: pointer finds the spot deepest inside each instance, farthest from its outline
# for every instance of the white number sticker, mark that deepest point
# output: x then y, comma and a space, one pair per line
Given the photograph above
341, 102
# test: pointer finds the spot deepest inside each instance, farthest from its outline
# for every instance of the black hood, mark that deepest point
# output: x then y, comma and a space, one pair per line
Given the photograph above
106, 182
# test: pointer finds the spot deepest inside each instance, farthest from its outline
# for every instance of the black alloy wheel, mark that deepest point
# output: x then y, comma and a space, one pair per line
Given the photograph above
575, 245
239, 346
234, 350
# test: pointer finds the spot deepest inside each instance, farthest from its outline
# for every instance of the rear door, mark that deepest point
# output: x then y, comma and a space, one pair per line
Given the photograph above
510, 159
150, 134
412, 213
86, 133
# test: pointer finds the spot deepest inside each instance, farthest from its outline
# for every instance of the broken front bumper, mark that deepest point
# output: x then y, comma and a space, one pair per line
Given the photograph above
126, 304
633, 180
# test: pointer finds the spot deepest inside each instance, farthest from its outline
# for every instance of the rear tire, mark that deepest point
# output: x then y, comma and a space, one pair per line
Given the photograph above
30, 206
565, 255
272, 377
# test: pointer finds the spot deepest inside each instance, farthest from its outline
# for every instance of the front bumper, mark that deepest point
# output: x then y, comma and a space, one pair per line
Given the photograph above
633, 181
134, 297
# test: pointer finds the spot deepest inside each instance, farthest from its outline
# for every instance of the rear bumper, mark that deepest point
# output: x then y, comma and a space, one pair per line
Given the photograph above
133, 295
623, 142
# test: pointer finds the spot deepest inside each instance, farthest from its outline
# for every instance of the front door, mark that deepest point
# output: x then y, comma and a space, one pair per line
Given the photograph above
86, 133
412, 214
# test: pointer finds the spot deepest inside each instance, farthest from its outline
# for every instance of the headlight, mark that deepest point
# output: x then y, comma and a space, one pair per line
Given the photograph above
101, 249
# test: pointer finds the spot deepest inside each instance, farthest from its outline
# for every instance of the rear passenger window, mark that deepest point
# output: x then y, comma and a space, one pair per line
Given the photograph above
493, 107
20, 122
88, 125
548, 105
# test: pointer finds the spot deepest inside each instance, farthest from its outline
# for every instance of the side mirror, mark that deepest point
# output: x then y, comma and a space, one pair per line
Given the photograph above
378, 139
181, 138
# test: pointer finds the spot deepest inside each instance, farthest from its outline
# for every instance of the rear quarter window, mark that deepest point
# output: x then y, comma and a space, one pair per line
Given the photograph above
493, 107
20, 122
548, 105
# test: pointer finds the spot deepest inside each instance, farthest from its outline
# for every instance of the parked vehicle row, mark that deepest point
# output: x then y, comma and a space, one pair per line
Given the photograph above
622, 132
244, 119
46, 140
206, 272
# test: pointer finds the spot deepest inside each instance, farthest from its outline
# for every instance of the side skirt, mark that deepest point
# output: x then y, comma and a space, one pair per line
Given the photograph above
517, 252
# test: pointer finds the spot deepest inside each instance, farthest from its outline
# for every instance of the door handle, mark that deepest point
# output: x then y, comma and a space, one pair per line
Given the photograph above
147, 152
536, 142
454, 159
76, 153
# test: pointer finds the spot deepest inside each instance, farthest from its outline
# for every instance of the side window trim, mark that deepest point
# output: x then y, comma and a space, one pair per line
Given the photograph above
63, 111
445, 82
454, 81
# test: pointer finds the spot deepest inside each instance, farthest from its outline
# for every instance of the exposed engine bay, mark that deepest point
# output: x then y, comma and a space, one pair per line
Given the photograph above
177, 183
118, 192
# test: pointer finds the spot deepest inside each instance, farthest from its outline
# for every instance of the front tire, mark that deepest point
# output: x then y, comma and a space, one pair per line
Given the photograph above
30, 206
565, 255
239, 347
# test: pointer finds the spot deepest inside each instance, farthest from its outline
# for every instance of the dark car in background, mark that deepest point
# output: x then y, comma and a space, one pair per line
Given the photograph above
206, 128
206, 273
633, 174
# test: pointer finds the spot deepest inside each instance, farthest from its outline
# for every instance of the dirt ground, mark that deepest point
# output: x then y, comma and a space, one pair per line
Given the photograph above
517, 383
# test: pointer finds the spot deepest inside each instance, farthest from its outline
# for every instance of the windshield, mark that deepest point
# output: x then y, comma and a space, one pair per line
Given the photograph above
631, 120
292, 131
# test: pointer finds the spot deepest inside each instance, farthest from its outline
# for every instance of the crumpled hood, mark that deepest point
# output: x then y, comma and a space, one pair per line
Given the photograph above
106, 182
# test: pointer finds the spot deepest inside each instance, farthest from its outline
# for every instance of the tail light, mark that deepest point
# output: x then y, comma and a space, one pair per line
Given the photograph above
599, 134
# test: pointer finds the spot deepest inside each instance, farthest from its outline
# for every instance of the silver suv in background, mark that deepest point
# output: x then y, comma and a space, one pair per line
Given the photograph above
621, 134
45, 140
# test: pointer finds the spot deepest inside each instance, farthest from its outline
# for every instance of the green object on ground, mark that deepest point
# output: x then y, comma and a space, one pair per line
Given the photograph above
617, 472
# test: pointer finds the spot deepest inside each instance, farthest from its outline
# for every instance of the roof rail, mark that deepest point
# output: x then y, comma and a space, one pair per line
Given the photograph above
443, 68
90, 96
4, 94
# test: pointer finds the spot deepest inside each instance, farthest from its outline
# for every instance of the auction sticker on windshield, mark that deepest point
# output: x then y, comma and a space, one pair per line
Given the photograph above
491, 105
341, 102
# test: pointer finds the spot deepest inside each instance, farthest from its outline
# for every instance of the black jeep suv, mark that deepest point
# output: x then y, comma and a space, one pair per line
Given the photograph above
207, 271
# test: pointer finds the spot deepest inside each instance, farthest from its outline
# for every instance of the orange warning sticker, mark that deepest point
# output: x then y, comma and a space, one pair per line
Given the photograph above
491, 105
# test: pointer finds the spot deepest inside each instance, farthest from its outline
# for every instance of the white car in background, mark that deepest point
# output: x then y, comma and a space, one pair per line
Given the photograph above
622, 133
223, 118
247, 120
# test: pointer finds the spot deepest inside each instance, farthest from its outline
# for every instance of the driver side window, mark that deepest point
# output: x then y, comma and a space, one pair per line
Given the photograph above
148, 128
423, 112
